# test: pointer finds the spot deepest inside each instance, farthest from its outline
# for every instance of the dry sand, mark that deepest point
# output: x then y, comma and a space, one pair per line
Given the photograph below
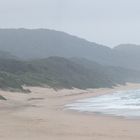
40, 115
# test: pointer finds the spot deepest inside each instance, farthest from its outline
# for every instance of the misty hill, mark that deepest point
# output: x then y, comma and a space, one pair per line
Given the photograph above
129, 55
117, 74
59, 72
7, 55
43, 43
127, 47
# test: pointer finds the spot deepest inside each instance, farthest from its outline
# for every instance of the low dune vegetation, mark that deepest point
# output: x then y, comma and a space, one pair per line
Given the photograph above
59, 72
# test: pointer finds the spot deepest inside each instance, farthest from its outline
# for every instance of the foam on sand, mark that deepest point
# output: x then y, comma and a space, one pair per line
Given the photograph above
120, 103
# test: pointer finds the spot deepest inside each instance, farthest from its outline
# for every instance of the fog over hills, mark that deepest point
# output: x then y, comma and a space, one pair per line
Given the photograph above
7, 55
41, 56
42, 43
128, 56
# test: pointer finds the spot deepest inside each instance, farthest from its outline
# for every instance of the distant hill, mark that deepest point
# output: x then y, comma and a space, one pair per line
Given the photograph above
7, 55
128, 48
43, 43
128, 56
118, 75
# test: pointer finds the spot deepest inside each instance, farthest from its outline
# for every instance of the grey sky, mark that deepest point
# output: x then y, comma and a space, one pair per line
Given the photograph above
108, 22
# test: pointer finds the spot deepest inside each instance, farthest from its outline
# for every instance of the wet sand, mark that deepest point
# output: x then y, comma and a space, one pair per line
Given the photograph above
40, 115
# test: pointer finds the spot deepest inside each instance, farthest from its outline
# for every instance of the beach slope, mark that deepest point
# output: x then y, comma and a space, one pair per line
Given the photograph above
40, 115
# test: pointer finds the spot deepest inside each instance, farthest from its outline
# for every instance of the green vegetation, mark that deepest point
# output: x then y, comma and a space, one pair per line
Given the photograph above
9, 80
59, 60
58, 72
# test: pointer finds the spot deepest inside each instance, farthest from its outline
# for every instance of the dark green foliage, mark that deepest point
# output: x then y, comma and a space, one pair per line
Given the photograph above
9, 80
15, 66
59, 72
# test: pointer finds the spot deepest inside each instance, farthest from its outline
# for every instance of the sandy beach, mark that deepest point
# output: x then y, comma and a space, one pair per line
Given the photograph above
40, 115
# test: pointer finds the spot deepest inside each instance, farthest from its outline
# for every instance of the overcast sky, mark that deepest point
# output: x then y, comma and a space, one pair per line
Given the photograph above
108, 22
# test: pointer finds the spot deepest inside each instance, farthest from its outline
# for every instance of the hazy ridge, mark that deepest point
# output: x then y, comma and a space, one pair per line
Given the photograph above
43, 43
39, 57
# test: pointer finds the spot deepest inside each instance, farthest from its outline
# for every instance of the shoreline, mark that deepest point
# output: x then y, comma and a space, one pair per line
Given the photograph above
41, 115
129, 86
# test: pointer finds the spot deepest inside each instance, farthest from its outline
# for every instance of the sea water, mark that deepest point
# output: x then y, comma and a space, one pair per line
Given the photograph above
120, 103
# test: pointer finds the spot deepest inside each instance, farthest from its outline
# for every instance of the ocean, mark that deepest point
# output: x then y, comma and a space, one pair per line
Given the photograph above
120, 103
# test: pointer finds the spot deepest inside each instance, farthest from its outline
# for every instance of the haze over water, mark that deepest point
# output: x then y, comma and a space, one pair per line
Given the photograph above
120, 103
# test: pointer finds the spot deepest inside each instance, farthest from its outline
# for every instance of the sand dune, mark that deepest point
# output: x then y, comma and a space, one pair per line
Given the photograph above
40, 115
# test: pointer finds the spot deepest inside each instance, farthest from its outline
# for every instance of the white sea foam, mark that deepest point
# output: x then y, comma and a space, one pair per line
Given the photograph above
121, 103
